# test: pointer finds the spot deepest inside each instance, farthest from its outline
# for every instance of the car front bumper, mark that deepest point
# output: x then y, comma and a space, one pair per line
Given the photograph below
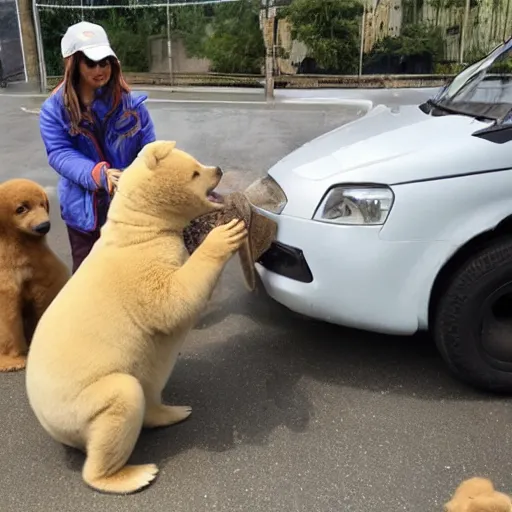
348, 275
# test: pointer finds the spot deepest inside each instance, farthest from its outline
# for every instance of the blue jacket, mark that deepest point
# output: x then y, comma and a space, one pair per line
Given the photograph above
81, 159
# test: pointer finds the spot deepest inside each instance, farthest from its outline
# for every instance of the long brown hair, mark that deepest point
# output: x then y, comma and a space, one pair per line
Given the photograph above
115, 88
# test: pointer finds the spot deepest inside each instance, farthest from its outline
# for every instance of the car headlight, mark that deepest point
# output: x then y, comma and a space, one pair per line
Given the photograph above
266, 194
352, 205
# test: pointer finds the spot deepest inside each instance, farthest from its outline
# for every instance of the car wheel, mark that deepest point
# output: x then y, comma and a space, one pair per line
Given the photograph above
3, 84
473, 318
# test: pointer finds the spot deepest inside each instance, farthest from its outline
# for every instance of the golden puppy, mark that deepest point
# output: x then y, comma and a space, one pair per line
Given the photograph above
31, 275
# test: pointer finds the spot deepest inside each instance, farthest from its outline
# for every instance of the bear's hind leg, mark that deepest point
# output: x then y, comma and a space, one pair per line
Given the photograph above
115, 406
161, 415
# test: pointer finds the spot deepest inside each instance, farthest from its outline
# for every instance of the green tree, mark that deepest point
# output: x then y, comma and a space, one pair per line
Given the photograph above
54, 23
330, 29
129, 30
190, 24
232, 41
227, 34
415, 41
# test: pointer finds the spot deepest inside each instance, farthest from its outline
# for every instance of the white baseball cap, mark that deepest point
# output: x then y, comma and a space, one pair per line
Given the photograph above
89, 38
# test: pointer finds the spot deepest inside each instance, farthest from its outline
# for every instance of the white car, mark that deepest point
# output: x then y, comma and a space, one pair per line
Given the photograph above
402, 221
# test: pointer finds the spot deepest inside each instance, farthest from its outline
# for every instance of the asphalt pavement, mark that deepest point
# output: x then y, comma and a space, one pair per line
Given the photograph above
289, 414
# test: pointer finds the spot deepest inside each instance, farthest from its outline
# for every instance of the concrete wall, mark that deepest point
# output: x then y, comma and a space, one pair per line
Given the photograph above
294, 51
489, 23
181, 62
383, 18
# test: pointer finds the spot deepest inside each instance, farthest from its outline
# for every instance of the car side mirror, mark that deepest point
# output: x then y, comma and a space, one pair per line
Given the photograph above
499, 134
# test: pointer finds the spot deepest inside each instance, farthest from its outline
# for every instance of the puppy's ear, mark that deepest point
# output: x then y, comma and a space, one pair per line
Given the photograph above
156, 151
46, 203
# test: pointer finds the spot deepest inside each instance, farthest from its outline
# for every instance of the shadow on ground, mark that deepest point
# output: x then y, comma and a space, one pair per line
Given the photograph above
244, 388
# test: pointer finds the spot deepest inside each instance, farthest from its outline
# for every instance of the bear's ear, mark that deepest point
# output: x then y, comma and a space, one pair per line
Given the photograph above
155, 151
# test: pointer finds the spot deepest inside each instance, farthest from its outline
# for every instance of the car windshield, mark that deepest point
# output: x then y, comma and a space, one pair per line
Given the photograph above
484, 89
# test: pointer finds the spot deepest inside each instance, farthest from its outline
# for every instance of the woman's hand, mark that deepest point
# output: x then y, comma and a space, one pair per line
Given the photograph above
113, 176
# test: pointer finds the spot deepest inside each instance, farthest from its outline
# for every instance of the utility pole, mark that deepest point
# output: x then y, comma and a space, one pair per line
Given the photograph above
506, 30
268, 37
361, 48
28, 39
169, 46
464, 31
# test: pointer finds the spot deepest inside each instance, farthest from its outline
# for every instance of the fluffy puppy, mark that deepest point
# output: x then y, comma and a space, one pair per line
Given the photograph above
31, 275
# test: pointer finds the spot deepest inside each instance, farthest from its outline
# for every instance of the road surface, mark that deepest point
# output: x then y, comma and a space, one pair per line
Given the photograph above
288, 414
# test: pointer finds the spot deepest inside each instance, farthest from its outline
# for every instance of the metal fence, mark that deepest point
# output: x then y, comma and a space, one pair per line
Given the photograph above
207, 41
147, 35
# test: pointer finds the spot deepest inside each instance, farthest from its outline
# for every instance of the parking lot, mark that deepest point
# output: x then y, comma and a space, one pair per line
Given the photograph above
289, 414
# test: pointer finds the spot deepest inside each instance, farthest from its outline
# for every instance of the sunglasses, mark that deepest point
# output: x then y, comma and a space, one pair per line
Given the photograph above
91, 64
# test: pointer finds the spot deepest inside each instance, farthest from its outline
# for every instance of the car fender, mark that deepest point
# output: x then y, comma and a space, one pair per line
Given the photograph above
448, 214
483, 220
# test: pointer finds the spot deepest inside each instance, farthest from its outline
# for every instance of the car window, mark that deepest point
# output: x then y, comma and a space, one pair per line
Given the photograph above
488, 92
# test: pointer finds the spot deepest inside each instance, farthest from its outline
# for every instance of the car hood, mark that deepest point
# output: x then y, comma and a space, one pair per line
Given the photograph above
381, 146
386, 146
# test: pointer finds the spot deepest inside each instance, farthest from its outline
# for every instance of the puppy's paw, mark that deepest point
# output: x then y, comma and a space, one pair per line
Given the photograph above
166, 415
12, 363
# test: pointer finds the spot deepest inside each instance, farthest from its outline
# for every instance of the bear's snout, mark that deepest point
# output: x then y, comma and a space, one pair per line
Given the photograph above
42, 229
218, 172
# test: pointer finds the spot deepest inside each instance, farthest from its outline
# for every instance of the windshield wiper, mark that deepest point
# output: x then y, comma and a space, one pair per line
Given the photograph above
449, 110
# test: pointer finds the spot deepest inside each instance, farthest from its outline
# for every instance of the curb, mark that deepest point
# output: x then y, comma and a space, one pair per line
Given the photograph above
200, 90
365, 104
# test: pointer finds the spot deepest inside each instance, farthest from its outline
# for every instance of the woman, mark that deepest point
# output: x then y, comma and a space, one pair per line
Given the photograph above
92, 127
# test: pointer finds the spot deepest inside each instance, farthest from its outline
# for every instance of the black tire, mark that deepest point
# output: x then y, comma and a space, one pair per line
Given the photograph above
3, 84
473, 318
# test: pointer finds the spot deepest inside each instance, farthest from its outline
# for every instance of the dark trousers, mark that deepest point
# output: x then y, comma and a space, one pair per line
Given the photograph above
82, 242
81, 245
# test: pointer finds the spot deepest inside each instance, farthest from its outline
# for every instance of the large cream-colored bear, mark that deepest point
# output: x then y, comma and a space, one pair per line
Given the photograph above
105, 348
